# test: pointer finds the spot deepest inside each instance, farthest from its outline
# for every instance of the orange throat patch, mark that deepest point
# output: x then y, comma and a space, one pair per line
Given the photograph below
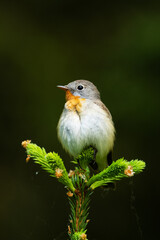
73, 103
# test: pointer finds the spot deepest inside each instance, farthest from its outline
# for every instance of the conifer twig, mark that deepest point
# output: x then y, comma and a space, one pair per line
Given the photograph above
79, 183
116, 171
50, 162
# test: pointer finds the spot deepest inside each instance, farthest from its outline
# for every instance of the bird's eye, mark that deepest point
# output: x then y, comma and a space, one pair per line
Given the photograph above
80, 87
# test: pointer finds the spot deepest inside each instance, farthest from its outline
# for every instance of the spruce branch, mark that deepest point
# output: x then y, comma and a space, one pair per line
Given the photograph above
79, 205
51, 162
85, 158
79, 236
116, 171
79, 183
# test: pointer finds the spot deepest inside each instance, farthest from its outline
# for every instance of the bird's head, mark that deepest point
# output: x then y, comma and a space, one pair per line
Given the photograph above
81, 88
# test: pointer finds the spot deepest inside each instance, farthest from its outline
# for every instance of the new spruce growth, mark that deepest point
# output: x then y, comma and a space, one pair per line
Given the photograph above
79, 182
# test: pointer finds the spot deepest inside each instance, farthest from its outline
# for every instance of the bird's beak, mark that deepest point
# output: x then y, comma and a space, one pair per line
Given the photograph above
65, 88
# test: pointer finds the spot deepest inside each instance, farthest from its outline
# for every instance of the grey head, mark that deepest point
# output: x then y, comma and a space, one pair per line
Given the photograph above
84, 89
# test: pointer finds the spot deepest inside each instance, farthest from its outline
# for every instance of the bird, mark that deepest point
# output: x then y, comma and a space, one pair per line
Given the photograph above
86, 121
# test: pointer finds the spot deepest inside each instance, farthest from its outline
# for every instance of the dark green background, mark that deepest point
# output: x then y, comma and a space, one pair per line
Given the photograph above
116, 45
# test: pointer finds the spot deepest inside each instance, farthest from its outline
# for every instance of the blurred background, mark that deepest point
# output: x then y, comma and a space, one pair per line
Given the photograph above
116, 45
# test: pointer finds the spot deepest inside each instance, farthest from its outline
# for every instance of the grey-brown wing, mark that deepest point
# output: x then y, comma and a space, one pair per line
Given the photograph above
101, 104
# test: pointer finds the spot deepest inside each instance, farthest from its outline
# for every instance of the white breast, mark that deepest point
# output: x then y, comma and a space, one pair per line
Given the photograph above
91, 126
